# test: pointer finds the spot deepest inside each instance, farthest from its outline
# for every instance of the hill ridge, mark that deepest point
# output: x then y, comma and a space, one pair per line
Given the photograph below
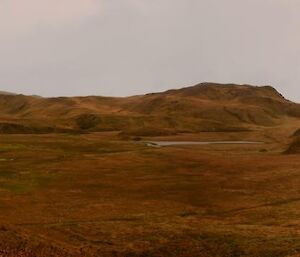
202, 107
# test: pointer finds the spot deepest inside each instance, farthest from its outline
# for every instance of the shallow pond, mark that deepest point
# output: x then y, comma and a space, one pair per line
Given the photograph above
170, 143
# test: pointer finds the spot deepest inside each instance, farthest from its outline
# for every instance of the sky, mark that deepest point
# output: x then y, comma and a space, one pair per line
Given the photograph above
128, 47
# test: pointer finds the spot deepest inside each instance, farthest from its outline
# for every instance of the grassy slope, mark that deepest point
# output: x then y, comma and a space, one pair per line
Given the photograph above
205, 107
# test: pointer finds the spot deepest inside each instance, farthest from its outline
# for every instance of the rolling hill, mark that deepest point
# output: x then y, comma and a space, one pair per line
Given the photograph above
203, 107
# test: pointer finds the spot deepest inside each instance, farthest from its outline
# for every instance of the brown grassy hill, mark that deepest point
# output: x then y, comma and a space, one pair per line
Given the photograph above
6, 93
294, 147
215, 107
204, 107
294, 144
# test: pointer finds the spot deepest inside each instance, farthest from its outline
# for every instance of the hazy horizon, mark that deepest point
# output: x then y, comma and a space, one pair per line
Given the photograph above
129, 47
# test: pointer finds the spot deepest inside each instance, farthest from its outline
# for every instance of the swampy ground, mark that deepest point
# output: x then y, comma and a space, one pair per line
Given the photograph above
99, 195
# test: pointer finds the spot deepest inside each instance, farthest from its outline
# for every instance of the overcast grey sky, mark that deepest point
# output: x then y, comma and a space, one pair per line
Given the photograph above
125, 47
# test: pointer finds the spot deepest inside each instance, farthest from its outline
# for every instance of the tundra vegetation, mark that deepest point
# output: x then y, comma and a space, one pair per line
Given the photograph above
77, 178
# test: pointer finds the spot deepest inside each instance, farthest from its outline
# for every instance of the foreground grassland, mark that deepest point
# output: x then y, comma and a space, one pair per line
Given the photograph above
99, 195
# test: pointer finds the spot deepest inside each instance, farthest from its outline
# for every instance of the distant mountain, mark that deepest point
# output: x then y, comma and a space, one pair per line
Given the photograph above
203, 107
6, 93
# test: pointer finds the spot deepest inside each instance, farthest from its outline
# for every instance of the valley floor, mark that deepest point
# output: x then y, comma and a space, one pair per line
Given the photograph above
98, 195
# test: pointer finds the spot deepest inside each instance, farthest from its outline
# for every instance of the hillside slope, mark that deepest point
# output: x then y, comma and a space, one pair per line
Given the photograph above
204, 107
